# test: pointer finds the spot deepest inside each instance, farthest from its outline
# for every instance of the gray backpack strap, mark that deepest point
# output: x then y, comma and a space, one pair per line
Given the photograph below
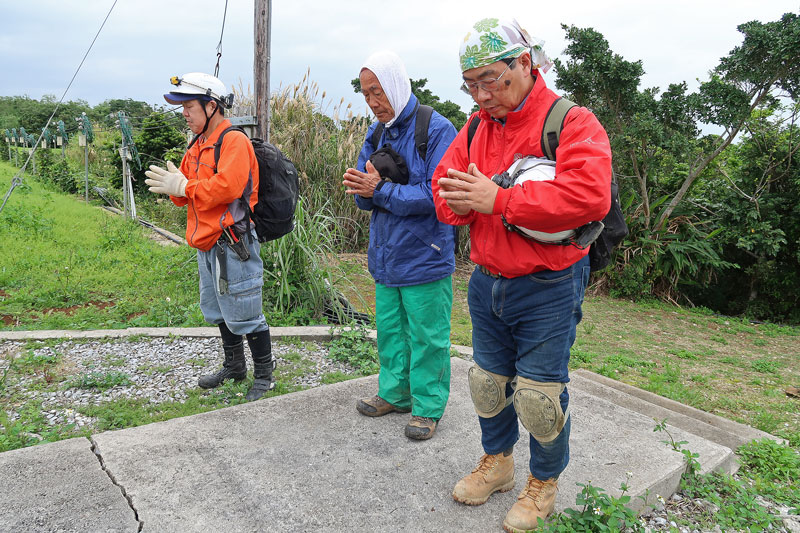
553, 122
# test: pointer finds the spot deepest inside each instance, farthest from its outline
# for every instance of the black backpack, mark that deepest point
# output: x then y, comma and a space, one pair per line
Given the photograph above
602, 236
278, 189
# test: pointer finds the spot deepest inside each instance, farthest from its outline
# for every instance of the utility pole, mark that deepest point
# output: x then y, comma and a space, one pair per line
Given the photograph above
261, 59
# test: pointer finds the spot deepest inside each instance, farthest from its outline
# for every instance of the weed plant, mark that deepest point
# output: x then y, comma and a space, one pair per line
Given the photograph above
352, 346
99, 380
597, 511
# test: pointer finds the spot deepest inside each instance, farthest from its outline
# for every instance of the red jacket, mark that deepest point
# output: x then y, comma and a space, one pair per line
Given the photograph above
579, 194
213, 197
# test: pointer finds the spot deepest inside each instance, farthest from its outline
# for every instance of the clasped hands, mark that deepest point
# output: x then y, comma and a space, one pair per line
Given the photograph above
170, 181
466, 191
362, 183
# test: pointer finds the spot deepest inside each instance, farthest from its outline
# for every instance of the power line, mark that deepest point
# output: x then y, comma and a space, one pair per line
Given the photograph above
219, 46
16, 180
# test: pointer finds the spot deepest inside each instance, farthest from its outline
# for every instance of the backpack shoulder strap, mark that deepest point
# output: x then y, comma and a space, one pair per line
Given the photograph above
376, 135
424, 113
553, 122
473, 127
218, 144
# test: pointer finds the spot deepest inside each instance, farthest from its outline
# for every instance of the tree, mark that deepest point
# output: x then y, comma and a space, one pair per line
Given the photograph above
448, 109
134, 109
749, 76
659, 156
159, 138
754, 199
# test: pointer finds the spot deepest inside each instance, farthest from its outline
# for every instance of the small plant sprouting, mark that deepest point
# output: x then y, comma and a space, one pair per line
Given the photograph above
692, 464
598, 511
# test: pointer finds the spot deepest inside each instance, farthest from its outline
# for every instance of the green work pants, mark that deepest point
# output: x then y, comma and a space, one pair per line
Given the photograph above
414, 345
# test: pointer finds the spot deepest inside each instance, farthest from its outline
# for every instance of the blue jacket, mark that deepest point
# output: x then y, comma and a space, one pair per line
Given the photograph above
407, 243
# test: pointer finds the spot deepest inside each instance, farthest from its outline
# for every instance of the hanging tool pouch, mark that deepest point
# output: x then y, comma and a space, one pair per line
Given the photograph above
228, 241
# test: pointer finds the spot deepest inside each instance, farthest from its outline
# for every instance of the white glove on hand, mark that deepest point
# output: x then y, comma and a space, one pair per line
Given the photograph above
170, 181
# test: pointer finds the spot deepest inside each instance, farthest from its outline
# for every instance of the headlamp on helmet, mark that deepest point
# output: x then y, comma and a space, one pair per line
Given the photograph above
198, 86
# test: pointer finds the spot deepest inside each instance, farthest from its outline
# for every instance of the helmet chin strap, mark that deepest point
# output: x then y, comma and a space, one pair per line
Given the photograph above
208, 117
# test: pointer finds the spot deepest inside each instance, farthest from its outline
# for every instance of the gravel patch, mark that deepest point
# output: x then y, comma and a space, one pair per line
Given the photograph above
153, 369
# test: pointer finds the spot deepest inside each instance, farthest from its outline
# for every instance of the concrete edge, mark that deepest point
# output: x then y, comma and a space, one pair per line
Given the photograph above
306, 333
740, 433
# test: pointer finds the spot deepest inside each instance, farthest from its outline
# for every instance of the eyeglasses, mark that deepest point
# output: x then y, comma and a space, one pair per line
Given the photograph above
489, 85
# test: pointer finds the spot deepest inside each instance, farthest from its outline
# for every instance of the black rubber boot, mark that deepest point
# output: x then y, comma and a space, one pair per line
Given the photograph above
234, 367
263, 364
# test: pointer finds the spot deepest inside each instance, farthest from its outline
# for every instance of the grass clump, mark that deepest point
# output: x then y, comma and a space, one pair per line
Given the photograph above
353, 347
99, 380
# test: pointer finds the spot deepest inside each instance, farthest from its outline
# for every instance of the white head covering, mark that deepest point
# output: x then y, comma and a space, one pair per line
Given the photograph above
391, 73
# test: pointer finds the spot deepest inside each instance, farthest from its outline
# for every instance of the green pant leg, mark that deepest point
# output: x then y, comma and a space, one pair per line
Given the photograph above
393, 346
428, 309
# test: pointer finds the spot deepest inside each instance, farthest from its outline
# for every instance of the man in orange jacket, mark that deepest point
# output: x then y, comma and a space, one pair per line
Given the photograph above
229, 264
525, 296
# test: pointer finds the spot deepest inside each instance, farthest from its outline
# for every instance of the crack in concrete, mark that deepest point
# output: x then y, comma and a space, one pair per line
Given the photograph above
96, 450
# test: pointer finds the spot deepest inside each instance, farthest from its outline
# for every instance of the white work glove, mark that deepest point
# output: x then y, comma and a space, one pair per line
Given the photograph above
170, 181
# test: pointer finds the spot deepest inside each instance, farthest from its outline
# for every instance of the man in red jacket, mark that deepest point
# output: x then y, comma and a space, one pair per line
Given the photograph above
525, 296
217, 224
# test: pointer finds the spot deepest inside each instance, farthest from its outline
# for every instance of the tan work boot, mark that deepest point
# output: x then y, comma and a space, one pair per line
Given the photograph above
377, 406
537, 500
494, 473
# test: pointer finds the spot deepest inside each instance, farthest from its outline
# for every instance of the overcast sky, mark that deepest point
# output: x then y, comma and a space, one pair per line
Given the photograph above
145, 42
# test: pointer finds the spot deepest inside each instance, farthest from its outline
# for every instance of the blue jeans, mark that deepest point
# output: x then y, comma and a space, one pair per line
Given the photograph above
526, 326
239, 306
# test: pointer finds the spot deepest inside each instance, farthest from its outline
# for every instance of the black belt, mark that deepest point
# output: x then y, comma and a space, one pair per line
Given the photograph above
489, 272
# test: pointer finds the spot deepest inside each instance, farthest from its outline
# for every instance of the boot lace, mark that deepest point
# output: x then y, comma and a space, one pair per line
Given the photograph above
534, 490
486, 464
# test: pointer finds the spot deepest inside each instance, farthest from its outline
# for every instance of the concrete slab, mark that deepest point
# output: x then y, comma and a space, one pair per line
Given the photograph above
308, 462
707, 425
60, 487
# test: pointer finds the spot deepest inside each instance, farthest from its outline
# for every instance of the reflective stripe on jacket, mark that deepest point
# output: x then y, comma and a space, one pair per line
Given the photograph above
407, 243
579, 194
213, 198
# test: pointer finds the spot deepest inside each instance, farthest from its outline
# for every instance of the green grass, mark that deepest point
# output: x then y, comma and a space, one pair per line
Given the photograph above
68, 265
98, 380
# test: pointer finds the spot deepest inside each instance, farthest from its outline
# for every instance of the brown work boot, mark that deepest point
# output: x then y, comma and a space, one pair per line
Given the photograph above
537, 500
494, 473
377, 406
421, 428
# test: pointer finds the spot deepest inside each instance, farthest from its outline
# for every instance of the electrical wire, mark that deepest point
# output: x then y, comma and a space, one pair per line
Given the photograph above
16, 180
219, 46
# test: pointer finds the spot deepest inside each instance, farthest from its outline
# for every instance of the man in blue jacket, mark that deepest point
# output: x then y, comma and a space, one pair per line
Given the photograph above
410, 252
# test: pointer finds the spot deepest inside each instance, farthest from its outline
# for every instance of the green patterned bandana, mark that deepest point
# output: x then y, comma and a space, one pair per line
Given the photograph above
491, 40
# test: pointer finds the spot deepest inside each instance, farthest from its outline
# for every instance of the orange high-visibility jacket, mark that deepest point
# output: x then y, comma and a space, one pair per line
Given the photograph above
213, 197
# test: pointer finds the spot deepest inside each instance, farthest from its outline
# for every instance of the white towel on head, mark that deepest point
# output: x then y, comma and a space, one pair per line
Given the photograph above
391, 73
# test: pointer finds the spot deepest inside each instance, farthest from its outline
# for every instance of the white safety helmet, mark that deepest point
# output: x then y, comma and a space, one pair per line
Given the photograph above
198, 86
532, 169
